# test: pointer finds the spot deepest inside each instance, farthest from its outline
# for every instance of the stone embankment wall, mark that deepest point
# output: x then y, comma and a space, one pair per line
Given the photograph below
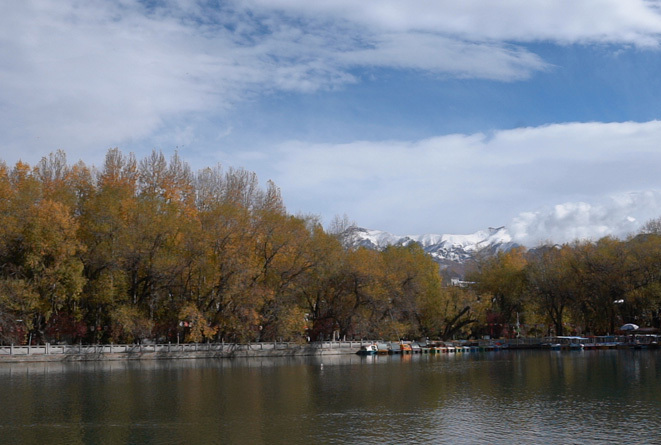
169, 351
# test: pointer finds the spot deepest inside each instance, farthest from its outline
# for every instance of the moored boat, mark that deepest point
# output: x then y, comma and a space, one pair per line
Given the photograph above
572, 343
438, 348
382, 348
368, 350
393, 348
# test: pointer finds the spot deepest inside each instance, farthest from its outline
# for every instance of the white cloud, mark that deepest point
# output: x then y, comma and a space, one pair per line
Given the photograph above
440, 54
75, 75
98, 73
477, 181
88, 75
619, 215
634, 22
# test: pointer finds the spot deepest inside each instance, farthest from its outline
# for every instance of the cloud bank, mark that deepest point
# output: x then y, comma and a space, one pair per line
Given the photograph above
100, 73
567, 222
584, 179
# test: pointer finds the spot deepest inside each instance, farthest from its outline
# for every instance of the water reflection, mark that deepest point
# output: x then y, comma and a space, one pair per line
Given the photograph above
495, 397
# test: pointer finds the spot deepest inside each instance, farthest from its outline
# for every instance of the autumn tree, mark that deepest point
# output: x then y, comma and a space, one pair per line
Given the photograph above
502, 279
551, 282
451, 312
41, 267
642, 303
324, 289
603, 270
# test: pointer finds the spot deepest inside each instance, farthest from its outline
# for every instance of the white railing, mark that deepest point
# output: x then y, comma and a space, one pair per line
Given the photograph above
49, 349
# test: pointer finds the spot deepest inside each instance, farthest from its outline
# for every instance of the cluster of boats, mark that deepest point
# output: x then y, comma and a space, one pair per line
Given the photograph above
552, 343
406, 347
604, 342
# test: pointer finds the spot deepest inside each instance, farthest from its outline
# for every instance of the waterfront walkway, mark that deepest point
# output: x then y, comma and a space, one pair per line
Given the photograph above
50, 352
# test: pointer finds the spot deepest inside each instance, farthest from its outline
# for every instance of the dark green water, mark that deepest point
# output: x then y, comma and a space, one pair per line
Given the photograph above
544, 397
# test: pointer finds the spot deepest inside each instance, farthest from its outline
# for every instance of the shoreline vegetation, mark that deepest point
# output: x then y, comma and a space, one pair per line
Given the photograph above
150, 250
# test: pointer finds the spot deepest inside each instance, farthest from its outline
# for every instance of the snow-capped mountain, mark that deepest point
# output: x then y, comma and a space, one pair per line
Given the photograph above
443, 248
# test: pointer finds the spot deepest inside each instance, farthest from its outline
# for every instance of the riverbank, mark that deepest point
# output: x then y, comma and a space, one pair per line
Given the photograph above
73, 353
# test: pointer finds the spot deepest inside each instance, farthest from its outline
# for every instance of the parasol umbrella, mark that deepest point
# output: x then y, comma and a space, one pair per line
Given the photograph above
629, 327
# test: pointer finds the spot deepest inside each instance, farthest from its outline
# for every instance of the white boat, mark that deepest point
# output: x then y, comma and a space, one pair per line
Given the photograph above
567, 342
368, 350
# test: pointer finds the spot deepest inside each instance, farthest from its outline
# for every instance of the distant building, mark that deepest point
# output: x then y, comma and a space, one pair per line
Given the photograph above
460, 283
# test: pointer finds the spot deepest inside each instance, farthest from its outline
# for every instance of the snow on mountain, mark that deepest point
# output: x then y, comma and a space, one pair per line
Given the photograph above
443, 248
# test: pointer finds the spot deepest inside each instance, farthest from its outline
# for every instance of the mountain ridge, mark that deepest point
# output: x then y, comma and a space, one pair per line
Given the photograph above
449, 250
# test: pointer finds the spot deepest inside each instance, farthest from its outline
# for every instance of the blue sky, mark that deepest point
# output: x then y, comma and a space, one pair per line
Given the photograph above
410, 117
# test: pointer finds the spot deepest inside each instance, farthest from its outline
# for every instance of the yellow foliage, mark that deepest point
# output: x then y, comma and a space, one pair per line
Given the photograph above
198, 327
129, 325
291, 323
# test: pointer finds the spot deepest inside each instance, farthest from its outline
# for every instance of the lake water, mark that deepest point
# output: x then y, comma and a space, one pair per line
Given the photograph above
589, 397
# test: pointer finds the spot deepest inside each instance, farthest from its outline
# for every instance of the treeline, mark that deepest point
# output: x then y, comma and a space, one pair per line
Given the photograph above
577, 288
150, 249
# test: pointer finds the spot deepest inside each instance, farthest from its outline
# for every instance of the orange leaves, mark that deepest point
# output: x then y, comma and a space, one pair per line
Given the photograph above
129, 325
198, 327
503, 278
141, 246
119, 171
57, 227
